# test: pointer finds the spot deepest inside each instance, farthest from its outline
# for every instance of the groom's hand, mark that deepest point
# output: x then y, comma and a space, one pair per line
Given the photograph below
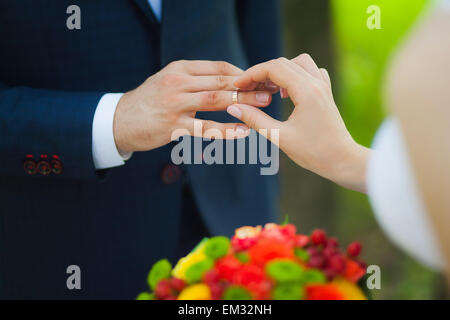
146, 116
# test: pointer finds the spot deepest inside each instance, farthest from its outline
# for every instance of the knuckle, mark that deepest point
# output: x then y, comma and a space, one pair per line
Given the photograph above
175, 100
172, 65
211, 98
171, 79
170, 119
169, 100
221, 82
175, 64
223, 67
274, 63
304, 57
282, 60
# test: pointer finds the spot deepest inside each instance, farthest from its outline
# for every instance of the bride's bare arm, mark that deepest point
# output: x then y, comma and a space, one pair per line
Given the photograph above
418, 93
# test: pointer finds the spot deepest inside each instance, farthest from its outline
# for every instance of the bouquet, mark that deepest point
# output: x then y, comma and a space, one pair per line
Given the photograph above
258, 263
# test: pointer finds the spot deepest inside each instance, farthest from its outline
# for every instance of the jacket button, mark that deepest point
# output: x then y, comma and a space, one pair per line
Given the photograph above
43, 166
56, 165
29, 165
170, 174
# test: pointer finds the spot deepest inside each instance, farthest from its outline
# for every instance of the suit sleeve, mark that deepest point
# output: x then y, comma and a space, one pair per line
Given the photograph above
37, 121
260, 25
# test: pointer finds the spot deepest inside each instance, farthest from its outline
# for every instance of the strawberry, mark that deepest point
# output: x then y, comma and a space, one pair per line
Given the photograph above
177, 284
354, 249
163, 289
319, 237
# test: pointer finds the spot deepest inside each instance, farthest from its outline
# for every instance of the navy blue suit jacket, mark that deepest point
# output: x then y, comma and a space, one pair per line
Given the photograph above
113, 224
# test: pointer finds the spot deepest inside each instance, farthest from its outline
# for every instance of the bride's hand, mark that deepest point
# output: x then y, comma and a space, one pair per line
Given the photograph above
314, 136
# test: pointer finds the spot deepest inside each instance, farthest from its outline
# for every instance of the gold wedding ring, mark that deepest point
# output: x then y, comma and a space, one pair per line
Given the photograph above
235, 97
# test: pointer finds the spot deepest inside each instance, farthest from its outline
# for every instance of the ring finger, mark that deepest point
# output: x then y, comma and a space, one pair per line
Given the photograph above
220, 100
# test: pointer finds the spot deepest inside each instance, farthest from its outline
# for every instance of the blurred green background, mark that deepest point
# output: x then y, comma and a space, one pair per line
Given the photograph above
336, 35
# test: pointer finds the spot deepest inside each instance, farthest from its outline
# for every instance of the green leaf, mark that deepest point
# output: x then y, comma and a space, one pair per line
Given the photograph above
145, 296
314, 276
217, 247
284, 271
288, 292
301, 254
236, 293
196, 271
242, 257
160, 270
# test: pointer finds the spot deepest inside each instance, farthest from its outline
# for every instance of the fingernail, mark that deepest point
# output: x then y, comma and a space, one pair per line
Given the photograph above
262, 97
270, 85
241, 129
234, 111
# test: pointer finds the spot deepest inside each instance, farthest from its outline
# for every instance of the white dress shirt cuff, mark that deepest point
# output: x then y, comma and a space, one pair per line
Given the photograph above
104, 150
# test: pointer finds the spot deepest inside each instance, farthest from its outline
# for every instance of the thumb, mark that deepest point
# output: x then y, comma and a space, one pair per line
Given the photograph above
254, 118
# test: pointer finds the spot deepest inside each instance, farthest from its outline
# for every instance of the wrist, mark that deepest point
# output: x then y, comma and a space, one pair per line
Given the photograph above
350, 165
120, 129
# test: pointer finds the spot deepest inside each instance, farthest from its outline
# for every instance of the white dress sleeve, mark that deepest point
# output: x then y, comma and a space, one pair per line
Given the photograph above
395, 199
